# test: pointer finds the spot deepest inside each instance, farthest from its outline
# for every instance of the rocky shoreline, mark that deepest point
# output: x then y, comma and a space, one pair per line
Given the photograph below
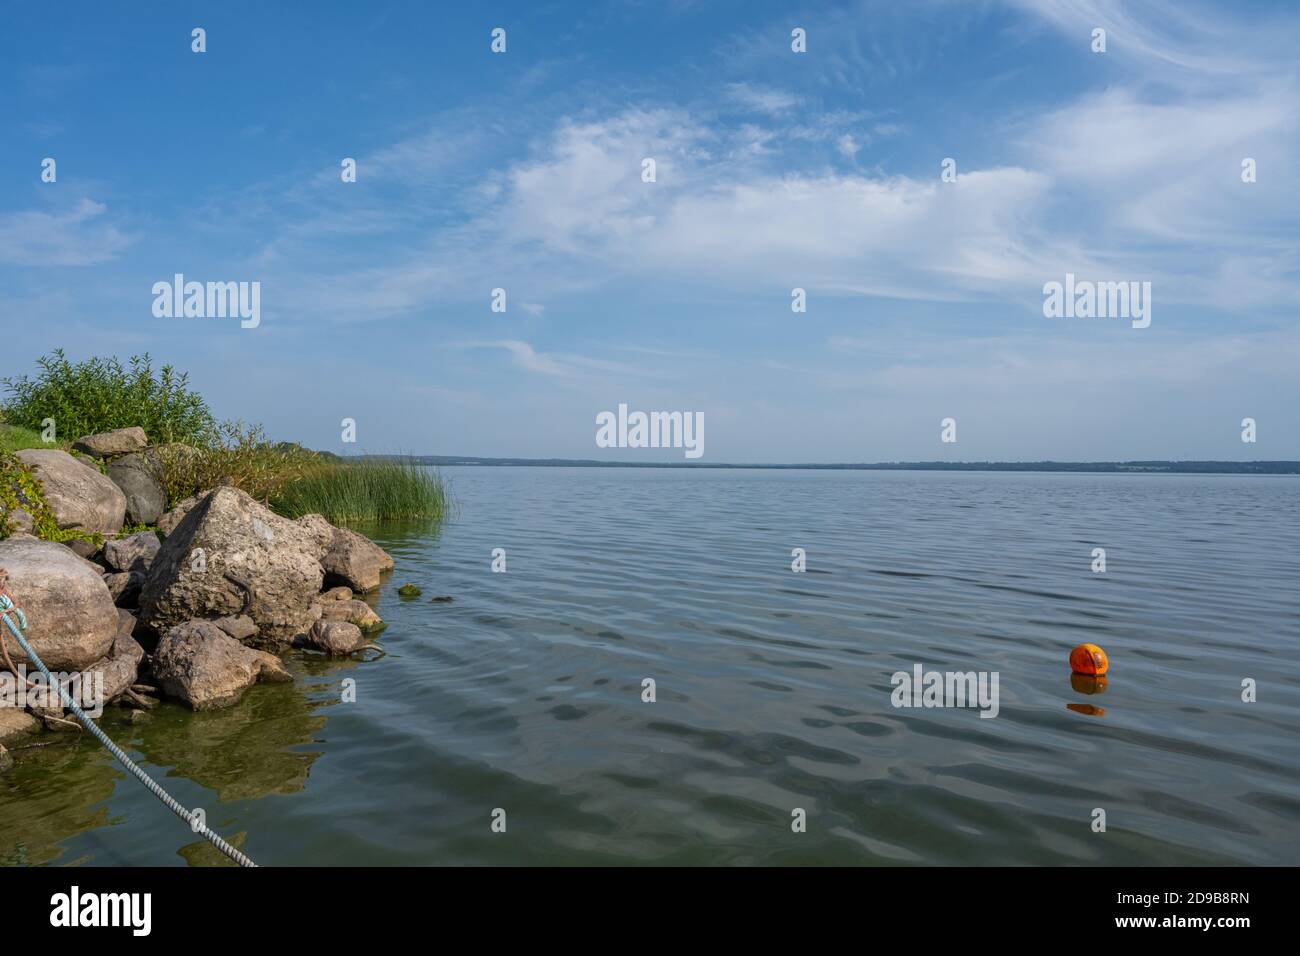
196, 609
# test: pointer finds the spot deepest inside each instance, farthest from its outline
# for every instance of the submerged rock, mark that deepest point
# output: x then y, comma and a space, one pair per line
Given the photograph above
354, 612
80, 497
205, 668
70, 614
409, 591
231, 556
120, 441
15, 724
334, 637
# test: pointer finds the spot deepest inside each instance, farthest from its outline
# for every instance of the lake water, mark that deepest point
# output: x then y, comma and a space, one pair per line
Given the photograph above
773, 689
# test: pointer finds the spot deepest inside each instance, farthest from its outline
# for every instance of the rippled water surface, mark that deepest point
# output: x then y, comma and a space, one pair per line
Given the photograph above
773, 688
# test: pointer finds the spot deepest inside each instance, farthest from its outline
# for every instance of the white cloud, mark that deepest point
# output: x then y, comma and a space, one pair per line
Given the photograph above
72, 237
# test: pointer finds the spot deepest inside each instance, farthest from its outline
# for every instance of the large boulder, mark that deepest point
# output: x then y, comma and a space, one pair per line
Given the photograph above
135, 552
120, 441
355, 561
204, 667
79, 496
230, 556
167, 523
321, 531
71, 620
137, 476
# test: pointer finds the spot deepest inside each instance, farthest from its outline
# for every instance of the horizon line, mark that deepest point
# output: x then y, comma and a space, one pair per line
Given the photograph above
1167, 466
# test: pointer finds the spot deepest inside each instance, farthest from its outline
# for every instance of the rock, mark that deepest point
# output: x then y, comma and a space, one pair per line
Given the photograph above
126, 621
334, 637
119, 669
81, 547
204, 667
133, 553
442, 599
337, 594
71, 617
120, 441
409, 591
230, 555
240, 627
15, 724
354, 612
355, 561
6, 761
322, 533
167, 523
137, 476
80, 497
125, 587
21, 522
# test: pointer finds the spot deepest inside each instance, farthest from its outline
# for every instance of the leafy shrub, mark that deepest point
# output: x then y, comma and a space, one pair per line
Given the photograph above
100, 394
236, 454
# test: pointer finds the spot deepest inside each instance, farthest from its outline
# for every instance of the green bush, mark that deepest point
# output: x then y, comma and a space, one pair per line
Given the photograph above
236, 454
100, 394
367, 490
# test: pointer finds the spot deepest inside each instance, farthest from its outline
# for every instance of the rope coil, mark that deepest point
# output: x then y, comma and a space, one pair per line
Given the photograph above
7, 605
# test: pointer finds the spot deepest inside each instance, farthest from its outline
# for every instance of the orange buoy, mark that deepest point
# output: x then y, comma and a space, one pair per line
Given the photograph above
1089, 659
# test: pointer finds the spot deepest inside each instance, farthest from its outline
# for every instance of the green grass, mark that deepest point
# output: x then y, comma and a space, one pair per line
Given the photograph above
369, 490
15, 438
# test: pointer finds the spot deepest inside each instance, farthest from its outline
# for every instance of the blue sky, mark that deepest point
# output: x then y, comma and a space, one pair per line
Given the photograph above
775, 170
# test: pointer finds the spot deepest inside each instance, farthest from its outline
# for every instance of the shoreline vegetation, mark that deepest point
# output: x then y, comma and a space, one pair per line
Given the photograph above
164, 554
1085, 467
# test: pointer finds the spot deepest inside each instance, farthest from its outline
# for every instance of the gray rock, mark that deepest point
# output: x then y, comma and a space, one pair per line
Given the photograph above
71, 617
120, 441
354, 612
118, 670
321, 531
204, 667
126, 621
337, 594
133, 553
21, 521
79, 496
125, 587
15, 724
230, 555
355, 561
81, 547
167, 523
137, 476
334, 637
240, 627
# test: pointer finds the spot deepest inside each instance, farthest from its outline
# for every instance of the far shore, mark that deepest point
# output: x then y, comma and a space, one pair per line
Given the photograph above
1087, 467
